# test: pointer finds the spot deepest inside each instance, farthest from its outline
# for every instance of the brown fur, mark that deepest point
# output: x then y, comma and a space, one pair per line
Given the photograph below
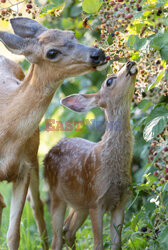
93, 177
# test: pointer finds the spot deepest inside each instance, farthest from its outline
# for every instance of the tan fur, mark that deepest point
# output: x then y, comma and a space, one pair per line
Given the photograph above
94, 177
23, 102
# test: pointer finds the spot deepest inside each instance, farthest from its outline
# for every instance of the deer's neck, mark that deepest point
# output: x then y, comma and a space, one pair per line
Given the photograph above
30, 102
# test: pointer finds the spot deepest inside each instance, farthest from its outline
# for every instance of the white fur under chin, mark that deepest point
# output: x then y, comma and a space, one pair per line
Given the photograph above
102, 67
133, 69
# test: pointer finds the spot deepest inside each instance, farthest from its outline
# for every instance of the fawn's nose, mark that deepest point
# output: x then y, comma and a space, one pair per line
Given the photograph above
98, 56
131, 68
130, 64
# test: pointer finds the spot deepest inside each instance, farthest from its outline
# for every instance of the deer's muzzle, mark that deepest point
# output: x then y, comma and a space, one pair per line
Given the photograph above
131, 68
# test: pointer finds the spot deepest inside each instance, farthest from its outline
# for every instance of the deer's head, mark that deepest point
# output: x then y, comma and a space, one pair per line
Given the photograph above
117, 90
53, 47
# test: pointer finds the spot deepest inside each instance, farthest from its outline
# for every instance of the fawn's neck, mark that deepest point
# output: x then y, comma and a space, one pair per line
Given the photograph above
117, 141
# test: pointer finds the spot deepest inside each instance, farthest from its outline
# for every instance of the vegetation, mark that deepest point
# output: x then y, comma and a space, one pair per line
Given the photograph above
126, 30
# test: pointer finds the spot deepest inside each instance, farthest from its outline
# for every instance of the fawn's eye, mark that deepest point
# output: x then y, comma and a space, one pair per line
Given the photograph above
110, 81
53, 53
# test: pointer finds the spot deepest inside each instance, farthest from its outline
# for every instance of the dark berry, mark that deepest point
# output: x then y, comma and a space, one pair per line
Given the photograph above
166, 170
162, 181
29, 6
107, 58
129, 16
159, 12
143, 229
166, 177
139, 8
158, 62
143, 94
155, 173
112, 34
127, 8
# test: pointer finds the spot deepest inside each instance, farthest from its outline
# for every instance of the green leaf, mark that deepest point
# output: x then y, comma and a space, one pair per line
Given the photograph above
52, 6
76, 10
158, 79
138, 243
67, 23
135, 220
110, 39
134, 42
155, 122
144, 105
163, 237
154, 127
131, 41
144, 187
159, 41
91, 6
159, 110
164, 52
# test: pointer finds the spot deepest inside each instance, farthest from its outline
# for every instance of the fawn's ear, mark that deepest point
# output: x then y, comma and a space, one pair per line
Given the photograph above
80, 103
26, 27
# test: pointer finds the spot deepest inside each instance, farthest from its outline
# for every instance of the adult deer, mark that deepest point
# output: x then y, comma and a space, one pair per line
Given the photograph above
94, 177
55, 55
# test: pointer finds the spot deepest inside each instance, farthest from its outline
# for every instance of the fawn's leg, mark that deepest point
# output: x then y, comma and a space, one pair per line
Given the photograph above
68, 220
2, 205
117, 219
96, 216
58, 208
75, 221
19, 192
37, 204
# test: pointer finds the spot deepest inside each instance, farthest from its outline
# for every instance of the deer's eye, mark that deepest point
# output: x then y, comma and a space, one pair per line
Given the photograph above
53, 53
110, 81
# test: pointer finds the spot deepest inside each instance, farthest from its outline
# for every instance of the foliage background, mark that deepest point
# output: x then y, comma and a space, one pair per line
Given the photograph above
144, 38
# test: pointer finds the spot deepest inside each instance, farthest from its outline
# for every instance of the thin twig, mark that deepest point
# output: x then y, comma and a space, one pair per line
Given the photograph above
12, 5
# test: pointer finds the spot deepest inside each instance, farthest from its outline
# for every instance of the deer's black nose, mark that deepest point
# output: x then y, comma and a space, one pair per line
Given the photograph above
97, 56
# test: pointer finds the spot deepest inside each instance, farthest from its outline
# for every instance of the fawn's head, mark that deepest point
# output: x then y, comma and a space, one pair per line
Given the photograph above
116, 90
55, 48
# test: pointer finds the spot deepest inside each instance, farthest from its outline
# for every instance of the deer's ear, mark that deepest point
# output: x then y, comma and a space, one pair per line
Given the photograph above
80, 103
13, 43
26, 27
19, 46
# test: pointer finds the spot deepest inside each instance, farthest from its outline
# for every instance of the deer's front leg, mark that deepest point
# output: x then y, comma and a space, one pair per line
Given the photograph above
19, 192
117, 220
37, 204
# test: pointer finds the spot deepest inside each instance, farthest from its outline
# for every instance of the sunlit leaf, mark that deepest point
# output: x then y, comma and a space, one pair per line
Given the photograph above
158, 79
91, 6
52, 6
